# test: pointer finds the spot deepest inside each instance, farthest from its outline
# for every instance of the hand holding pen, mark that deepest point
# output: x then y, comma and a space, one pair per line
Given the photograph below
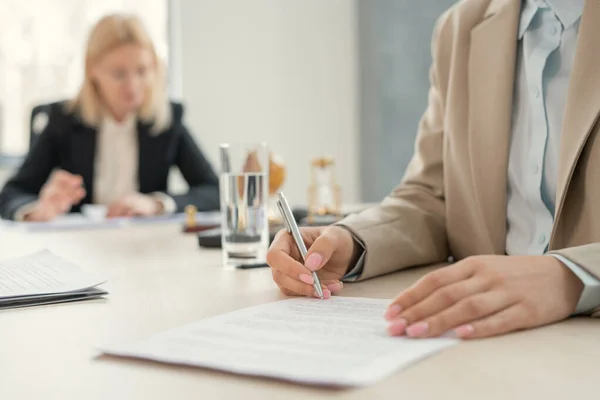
331, 252
292, 228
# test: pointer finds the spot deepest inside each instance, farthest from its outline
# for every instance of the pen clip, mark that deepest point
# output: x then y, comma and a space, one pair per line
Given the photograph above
284, 217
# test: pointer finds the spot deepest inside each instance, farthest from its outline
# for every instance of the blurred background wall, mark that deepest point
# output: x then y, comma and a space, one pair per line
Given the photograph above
346, 78
394, 59
280, 71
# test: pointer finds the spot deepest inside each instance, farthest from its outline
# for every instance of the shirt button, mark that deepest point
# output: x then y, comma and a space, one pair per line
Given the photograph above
553, 30
536, 92
542, 239
535, 168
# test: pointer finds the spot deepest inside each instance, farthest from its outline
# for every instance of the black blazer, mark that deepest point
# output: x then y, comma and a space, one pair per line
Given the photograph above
68, 143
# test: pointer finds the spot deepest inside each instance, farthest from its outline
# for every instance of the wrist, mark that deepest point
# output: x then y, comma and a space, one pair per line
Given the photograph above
587, 286
356, 248
35, 214
357, 252
166, 203
568, 275
159, 207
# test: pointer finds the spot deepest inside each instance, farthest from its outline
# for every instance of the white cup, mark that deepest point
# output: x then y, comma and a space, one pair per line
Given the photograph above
95, 212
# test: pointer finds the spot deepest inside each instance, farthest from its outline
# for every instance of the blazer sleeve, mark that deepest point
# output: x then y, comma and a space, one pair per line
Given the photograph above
24, 186
408, 228
588, 258
197, 171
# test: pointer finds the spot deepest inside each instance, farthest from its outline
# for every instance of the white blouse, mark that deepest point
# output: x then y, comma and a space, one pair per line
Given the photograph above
115, 166
116, 162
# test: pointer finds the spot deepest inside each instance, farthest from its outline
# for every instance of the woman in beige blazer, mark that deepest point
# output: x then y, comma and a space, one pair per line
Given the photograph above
452, 202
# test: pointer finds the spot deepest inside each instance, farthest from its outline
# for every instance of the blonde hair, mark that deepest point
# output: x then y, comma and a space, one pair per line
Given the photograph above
110, 32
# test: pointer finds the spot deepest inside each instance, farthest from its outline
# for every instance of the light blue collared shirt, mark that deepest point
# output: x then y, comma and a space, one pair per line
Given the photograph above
548, 33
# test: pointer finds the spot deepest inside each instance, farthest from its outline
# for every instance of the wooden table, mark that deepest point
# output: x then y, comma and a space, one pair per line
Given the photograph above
159, 279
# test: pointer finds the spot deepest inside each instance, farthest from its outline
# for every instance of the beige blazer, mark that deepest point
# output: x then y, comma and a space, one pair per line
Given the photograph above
452, 199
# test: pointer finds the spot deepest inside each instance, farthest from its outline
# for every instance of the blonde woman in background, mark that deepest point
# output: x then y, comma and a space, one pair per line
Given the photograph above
115, 143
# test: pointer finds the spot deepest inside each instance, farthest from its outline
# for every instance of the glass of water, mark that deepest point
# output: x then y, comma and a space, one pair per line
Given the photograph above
244, 186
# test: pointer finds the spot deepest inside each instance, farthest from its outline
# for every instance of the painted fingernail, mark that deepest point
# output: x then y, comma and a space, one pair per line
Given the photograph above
392, 311
313, 262
307, 279
418, 329
335, 287
397, 328
464, 331
449, 335
326, 294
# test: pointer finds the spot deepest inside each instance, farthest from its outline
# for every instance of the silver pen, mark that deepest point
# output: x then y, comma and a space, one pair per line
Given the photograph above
292, 228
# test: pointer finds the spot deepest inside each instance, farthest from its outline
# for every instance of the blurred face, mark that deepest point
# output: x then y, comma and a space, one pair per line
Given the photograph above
123, 77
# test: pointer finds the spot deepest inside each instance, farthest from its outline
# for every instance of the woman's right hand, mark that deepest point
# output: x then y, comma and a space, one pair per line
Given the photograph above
58, 195
331, 250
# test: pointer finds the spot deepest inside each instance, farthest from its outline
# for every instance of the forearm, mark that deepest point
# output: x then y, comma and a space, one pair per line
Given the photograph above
13, 200
24, 187
407, 229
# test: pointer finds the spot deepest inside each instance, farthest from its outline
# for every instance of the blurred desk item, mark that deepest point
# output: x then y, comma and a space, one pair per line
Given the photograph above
94, 212
81, 222
211, 238
324, 193
277, 174
43, 278
195, 223
75, 221
244, 199
159, 279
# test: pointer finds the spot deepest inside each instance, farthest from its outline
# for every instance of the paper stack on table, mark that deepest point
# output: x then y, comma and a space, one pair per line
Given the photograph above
339, 342
78, 221
44, 278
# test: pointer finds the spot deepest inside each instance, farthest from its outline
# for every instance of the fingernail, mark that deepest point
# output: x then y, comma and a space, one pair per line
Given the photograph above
449, 335
307, 279
326, 294
464, 331
335, 287
313, 262
392, 311
397, 328
418, 329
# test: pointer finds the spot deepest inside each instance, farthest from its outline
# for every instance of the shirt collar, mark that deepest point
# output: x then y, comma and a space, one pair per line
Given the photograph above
567, 11
111, 124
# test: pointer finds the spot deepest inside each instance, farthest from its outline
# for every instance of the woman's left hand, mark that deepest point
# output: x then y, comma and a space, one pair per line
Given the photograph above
135, 204
486, 296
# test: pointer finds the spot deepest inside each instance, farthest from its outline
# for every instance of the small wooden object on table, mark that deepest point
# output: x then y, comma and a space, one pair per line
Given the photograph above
191, 225
324, 193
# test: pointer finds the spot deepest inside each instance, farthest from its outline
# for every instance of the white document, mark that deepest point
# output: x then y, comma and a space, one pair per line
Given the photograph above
43, 277
81, 222
66, 222
201, 218
340, 342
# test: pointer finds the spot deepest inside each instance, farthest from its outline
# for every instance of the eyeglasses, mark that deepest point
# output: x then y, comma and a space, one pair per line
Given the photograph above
123, 75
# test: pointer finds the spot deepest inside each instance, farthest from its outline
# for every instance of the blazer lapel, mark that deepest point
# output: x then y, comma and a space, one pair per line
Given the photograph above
144, 155
492, 60
83, 153
583, 101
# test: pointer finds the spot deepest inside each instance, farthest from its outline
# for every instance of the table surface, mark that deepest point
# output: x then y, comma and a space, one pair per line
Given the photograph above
159, 279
